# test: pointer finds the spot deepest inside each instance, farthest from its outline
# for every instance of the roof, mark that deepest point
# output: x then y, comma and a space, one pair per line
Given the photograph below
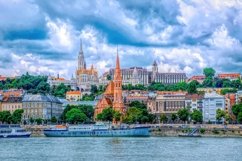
212, 95
40, 98
73, 92
12, 99
194, 96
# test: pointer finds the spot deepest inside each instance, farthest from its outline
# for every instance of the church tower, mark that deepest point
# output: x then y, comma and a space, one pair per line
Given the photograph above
154, 71
118, 98
81, 59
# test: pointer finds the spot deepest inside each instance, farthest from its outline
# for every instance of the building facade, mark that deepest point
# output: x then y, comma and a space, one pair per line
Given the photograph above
41, 106
55, 81
112, 96
230, 101
211, 103
85, 77
11, 103
139, 75
166, 102
230, 76
194, 101
73, 95
135, 95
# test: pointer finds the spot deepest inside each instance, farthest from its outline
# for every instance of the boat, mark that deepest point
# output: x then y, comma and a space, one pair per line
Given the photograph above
13, 131
97, 130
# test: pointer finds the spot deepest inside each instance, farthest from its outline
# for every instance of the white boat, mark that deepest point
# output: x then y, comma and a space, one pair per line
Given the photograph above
13, 131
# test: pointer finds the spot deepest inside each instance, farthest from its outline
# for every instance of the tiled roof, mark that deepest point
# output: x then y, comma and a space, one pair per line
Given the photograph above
40, 98
12, 99
73, 92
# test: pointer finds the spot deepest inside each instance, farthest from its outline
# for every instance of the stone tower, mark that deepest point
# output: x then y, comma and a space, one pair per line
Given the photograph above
81, 59
154, 71
118, 98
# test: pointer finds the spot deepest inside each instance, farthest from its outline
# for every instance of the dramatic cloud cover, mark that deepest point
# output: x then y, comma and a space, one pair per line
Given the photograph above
43, 36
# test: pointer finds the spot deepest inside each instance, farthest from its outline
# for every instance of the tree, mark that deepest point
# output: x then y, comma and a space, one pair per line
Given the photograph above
239, 118
197, 116
137, 104
75, 116
173, 117
53, 119
163, 118
183, 114
109, 77
94, 89
117, 116
209, 72
106, 114
60, 90
220, 114
17, 116
5, 117
192, 87
39, 121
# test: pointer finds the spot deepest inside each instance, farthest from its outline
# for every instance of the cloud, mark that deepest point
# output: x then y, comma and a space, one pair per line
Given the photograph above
184, 36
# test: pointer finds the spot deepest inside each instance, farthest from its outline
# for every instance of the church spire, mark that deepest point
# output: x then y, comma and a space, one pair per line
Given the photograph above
81, 59
117, 60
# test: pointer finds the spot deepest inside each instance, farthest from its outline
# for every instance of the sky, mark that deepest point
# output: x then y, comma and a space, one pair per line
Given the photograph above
43, 36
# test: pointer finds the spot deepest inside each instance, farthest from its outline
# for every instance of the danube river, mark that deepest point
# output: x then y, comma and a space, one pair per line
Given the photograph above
121, 149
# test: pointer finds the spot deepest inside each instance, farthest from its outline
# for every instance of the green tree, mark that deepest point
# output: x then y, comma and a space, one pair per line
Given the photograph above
94, 89
39, 121
5, 117
137, 104
163, 118
17, 116
173, 117
75, 116
183, 114
53, 119
197, 116
209, 72
106, 115
109, 77
220, 114
117, 116
192, 87
60, 90
239, 118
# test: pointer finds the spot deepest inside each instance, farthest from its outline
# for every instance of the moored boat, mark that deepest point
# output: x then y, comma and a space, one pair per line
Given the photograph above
13, 131
97, 130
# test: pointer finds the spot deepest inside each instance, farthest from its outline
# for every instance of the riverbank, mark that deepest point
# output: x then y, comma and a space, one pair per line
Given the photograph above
203, 130
168, 130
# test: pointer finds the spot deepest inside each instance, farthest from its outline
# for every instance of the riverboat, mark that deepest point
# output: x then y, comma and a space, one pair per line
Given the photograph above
13, 131
97, 130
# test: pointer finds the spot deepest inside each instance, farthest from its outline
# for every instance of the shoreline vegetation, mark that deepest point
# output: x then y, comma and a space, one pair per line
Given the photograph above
170, 130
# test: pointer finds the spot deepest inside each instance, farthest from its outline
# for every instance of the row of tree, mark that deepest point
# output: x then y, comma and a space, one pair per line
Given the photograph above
14, 118
34, 84
184, 115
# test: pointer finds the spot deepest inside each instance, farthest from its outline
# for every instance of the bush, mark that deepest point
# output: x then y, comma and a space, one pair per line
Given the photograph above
202, 130
215, 131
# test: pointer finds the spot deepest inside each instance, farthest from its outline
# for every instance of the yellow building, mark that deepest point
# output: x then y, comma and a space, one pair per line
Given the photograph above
73, 95
11, 104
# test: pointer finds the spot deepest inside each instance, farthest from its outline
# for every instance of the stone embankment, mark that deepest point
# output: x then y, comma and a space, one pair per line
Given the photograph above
205, 130
36, 130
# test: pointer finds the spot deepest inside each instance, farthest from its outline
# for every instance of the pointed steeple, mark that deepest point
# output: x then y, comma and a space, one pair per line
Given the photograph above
81, 59
117, 61
80, 44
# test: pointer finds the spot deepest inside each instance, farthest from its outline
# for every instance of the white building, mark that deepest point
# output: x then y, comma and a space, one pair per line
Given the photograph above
55, 81
212, 102
239, 97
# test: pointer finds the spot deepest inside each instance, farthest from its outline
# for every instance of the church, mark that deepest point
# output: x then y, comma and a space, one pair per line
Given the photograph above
85, 77
112, 96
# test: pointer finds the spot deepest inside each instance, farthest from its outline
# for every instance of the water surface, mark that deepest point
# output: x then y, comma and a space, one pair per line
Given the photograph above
115, 149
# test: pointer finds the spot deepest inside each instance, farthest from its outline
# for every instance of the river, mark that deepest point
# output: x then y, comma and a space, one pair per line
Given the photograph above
121, 149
